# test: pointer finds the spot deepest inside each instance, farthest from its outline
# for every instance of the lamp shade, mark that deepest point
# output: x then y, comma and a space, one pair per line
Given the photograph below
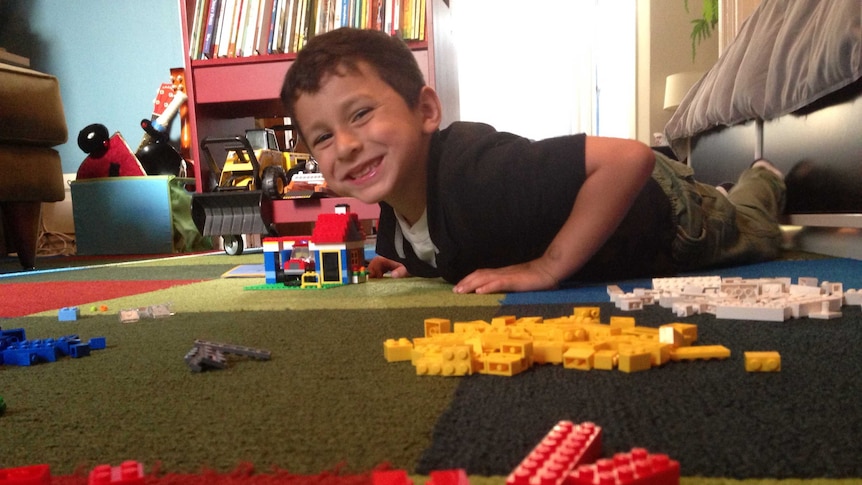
676, 87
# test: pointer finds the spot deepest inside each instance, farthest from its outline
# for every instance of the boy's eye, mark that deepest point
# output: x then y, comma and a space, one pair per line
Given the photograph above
321, 138
359, 114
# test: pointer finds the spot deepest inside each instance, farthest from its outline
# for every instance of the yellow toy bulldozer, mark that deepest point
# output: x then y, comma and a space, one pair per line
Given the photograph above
243, 188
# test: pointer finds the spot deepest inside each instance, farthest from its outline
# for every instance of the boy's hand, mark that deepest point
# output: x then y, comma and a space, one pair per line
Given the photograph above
379, 266
519, 277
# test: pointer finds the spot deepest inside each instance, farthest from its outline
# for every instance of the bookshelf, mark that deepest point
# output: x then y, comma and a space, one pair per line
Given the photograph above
227, 95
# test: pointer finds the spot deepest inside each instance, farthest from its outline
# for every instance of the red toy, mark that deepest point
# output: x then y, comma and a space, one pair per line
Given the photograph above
637, 467
26, 475
108, 156
565, 447
130, 472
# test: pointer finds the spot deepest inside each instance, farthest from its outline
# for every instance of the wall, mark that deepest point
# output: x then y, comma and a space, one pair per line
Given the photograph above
664, 47
110, 56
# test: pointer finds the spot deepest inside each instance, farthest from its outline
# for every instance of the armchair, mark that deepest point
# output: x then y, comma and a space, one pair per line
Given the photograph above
32, 121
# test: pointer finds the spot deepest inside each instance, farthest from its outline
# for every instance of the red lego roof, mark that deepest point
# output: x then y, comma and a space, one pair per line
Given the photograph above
337, 228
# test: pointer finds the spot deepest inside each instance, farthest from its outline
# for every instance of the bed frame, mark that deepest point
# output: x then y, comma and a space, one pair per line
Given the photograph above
820, 149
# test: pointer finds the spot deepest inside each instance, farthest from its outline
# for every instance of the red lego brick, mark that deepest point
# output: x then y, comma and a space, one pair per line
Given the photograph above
456, 476
26, 475
390, 477
130, 472
638, 467
564, 448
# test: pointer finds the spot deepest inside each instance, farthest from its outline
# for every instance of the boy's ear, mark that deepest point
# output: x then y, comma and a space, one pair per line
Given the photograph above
430, 108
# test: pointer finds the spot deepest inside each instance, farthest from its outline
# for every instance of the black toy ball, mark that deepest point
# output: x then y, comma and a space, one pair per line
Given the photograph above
93, 139
158, 157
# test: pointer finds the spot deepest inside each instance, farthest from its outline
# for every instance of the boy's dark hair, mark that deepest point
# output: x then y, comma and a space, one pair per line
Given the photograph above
342, 50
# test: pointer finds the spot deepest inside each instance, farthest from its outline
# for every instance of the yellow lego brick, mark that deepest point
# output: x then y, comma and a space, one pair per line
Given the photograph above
493, 339
659, 352
688, 331
474, 326
503, 321
548, 352
397, 350
579, 357
456, 361
587, 313
668, 334
563, 332
429, 365
529, 320
436, 326
605, 359
762, 361
600, 330
622, 322
642, 333
700, 352
634, 360
503, 364
521, 348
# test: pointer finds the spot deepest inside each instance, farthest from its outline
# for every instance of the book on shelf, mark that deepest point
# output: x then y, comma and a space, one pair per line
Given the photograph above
244, 28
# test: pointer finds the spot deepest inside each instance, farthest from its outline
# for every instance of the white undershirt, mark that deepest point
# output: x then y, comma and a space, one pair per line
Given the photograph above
418, 237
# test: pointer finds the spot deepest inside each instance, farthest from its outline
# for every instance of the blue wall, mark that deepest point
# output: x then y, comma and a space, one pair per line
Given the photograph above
110, 56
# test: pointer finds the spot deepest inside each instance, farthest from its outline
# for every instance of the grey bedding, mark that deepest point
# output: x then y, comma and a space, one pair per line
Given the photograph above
786, 55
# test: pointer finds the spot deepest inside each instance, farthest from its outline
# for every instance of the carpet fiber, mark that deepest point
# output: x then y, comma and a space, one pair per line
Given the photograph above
328, 400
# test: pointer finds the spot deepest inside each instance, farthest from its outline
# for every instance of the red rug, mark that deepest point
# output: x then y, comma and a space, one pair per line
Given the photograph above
20, 299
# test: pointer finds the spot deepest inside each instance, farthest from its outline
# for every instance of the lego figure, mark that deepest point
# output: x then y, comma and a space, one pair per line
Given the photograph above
494, 212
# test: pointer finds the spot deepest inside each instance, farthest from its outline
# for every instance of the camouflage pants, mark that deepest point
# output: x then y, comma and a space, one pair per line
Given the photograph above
714, 230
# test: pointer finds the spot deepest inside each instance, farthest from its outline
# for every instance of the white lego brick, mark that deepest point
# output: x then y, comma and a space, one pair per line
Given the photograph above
629, 302
832, 288
678, 283
765, 313
853, 297
829, 308
684, 309
798, 290
807, 281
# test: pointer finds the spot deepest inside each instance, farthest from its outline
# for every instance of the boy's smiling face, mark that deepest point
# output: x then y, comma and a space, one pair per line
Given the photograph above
368, 142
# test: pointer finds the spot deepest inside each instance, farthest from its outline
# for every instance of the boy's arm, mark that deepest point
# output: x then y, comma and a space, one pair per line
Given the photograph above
616, 171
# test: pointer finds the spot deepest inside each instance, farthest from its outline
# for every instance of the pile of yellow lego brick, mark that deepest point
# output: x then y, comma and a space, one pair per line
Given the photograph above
508, 345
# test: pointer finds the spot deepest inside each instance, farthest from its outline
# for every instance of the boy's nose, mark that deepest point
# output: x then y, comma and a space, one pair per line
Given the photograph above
346, 145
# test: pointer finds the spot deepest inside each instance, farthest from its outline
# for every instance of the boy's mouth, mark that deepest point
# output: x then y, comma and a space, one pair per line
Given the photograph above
366, 171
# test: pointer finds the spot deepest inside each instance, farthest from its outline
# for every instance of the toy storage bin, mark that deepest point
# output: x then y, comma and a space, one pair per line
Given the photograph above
126, 215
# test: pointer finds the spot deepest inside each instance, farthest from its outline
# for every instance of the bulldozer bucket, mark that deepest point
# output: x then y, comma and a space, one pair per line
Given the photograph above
232, 213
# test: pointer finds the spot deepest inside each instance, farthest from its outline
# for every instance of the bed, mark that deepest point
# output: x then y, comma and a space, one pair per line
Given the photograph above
788, 89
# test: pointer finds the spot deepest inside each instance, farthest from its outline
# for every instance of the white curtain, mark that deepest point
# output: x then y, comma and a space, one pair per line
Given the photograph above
547, 67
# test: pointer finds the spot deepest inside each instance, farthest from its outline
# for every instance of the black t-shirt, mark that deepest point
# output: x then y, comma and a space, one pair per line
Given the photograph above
496, 199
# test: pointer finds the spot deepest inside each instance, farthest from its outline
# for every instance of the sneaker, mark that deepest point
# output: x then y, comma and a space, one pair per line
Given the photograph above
767, 165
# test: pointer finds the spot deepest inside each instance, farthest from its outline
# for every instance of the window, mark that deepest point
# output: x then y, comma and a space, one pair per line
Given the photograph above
547, 67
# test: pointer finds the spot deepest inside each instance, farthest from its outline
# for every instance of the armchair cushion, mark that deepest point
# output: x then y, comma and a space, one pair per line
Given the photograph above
31, 110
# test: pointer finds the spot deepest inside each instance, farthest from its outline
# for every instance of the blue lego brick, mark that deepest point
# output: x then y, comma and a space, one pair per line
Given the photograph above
98, 343
43, 348
79, 350
11, 336
20, 356
62, 344
68, 314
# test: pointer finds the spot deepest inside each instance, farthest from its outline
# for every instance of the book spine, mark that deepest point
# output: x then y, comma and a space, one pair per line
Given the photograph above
235, 28
212, 15
263, 27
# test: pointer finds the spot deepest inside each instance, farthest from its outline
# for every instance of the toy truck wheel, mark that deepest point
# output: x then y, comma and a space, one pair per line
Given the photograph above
273, 181
233, 245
